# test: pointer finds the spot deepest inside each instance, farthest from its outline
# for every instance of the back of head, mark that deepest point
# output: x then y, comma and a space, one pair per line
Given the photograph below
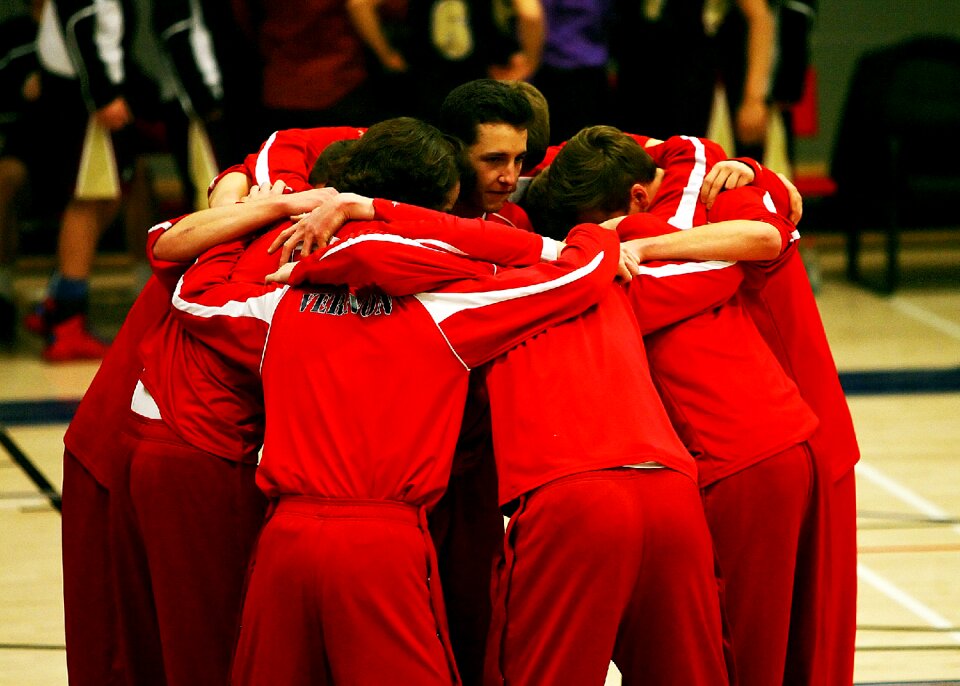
538, 132
403, 159
483, 101
596, 169
333, 157
548, 215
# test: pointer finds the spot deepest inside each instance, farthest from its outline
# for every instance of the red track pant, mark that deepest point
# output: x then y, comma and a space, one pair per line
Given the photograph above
189, 525
756, 517
612, 564
344, 592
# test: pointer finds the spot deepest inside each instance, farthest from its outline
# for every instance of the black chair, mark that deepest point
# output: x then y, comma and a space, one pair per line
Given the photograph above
896, 158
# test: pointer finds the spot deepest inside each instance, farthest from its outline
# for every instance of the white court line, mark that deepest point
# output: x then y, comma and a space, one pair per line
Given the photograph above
932, 320
906, 600
23, 503
904, 494
879, 583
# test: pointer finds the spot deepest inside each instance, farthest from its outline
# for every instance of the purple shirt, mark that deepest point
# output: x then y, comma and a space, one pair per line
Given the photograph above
577, 33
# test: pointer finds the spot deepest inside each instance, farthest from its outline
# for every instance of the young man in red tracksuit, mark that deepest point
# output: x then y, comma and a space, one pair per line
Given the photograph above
823, 621
785, 310
190, 510
94, 467
96, 481
769, 410
193, 509
744, 421
344, 565
607, 555
492, 119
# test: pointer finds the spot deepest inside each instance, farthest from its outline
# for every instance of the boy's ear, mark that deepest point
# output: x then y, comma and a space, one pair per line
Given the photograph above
639, 198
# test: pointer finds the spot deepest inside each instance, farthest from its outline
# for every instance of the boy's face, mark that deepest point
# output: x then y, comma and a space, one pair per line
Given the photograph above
496, 158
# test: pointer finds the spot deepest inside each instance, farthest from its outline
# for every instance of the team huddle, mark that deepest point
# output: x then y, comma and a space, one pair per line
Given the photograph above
375, 344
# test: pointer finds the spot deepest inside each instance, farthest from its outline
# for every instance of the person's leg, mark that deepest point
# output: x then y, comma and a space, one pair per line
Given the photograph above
199, 516
62, 316
564, 577
755, 518
843, 592
824, 622
671, 632
88, 591
575, 552
346, 596
13, 177
84, 221
60, 120
384, 616
138, 628
281, 639
467, 527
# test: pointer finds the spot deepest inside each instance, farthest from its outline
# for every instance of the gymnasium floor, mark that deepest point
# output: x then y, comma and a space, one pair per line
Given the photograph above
899, 359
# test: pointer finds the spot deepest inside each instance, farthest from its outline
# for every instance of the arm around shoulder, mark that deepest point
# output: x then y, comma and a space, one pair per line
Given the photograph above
206, 228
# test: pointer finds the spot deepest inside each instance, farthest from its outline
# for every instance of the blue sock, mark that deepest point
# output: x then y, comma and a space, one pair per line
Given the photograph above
62, 289
70, 297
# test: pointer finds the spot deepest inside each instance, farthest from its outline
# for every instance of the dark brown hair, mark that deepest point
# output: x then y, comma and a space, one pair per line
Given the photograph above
403, 159
596, 169
483, 101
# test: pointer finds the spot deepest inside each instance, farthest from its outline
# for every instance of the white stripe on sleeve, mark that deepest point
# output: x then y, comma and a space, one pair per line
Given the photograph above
440, 306
260, 307
262, 171
158, 227
684, 216
430, 243
682, 268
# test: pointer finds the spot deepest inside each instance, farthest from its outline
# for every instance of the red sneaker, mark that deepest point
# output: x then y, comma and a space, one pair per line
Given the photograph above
71, 340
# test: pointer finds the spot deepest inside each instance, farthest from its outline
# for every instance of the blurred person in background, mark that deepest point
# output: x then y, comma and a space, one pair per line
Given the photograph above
574, 74
695, 40
107, 99
212, 51
314, 68
20, 147
436, 46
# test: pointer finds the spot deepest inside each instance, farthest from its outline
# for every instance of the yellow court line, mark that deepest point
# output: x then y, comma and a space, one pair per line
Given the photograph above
918, 548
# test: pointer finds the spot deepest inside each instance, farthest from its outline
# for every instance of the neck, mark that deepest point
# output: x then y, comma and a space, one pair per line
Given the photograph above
468, 210
654, 185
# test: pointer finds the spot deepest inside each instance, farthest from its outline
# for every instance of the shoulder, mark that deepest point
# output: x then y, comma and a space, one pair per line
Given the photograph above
513, 215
